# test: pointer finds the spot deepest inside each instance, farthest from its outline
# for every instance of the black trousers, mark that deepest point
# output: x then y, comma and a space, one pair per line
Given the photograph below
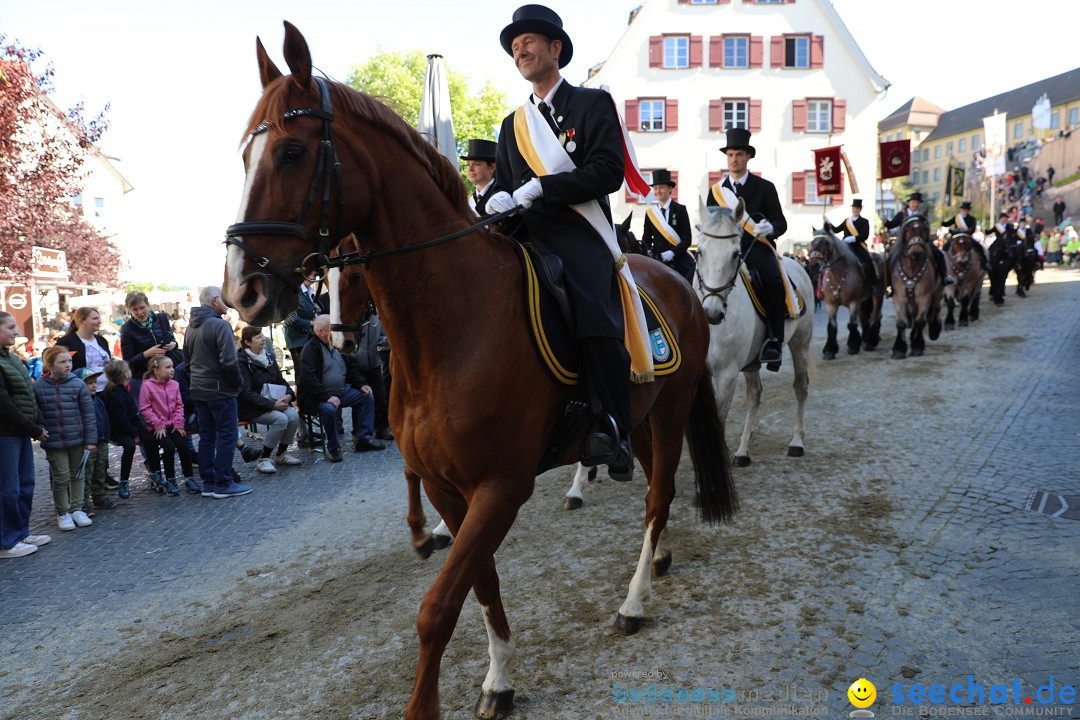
762, 258
607, 365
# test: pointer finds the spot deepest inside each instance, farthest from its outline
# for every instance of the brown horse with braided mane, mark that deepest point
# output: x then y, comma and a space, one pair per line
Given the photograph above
917, 288
965, 266
843, 285
472, 419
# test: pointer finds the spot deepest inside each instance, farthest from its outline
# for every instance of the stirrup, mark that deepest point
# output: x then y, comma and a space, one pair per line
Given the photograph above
771, 354
601, 446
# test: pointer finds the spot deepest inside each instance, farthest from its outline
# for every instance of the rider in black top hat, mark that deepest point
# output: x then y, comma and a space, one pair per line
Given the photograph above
589, 130
480, 167
914, 203
655, 240
964, 222
856, 231
763, 206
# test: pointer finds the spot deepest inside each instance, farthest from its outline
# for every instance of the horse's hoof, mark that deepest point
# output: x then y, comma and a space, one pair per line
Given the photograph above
898, 355
828, 355
795, 451
425, 548
916, 352
571, 503
629, 625
853, 350
440, 541
742, 461
494, 705
660, 565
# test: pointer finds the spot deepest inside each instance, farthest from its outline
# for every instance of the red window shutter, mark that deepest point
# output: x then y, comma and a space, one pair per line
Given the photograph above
715, 176
798, 186
716, 115
817, 51
656, 50
776, 51
675, 179
684, 2
695, 51
754, 120
716, 51
671, 114
798, 115
839, 114
633, 122
755, 51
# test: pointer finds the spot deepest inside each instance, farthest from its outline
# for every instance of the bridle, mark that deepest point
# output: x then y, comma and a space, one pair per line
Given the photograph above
824, 257
327, 169
722, 292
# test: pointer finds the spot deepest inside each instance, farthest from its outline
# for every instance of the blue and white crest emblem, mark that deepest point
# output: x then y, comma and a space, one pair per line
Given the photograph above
661, 351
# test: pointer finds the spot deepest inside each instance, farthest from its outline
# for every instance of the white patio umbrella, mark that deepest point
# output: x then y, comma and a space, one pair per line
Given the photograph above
435, 121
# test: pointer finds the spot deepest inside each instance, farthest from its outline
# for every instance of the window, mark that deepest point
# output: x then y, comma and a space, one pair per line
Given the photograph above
1074, 116
925, 154
925, 177
736, 114
797, 52
937, 174
1018, 129
702, 2
975, 142
652, 115
818, 116
948, 149
769, 2
677, 51
804, 189
811, 190
99, 207
961, 145
888, 138
1055, 120
737, 51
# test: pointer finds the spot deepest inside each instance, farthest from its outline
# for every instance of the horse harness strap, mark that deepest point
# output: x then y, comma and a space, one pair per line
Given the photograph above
723, 291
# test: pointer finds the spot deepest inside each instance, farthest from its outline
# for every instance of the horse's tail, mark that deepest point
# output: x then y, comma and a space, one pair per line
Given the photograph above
710, 456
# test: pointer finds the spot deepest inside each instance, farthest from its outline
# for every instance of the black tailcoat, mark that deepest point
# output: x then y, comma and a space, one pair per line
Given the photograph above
655, 243
597, 152
762, 203
862, 229
482, 200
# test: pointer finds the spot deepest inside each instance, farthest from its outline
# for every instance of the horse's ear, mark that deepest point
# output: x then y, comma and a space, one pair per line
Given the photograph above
625, 224
297, 56
268, 71
740, 208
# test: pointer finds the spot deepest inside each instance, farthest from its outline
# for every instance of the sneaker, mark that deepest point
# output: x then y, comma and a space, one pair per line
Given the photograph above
18, 550
157, 482
286, 459
250, 454
170, 487
124, 492
208, 490
111, 483
231, 490
266, 466
65, 522
80, 519
104, 502
192, 486
334, 456
38, 540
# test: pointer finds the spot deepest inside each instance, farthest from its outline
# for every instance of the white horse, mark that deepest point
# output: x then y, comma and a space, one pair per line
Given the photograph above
738, 331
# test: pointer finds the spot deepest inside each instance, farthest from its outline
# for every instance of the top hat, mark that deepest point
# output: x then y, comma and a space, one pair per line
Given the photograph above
966, 205
481, 150
738, 139
662, 177
857, 202
915, 196
85, 373
537, 19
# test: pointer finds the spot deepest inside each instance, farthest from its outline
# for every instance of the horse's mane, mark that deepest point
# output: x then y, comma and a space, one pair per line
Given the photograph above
275, 101
839, 246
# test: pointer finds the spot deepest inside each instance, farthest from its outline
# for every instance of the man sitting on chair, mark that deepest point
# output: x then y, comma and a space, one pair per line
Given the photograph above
323, 388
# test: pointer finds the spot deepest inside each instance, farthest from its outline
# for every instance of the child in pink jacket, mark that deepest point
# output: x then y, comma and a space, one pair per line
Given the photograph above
162, 410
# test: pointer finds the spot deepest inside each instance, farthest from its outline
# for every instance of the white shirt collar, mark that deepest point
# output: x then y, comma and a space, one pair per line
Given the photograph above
665, 205
548, 98
482, 190
740, 181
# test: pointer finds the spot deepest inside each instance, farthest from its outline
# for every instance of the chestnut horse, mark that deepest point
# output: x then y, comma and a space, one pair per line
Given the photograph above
964, 265
917, 289
473, 416
843, 285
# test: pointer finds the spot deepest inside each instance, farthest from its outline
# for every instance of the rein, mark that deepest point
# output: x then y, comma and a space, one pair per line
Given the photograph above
723, 291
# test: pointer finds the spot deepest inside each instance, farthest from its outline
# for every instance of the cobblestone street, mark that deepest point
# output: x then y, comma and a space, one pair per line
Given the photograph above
900, 549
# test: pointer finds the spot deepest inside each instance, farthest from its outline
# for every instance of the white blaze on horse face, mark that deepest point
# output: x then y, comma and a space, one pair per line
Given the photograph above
333, 284
234, 260
500, 651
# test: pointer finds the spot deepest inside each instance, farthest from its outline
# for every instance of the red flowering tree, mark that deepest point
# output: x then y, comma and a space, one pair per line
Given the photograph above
42, 155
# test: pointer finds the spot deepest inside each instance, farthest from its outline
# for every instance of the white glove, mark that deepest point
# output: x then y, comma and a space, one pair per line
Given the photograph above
500, 202
849, 239
667, 255
763, 228
528, 193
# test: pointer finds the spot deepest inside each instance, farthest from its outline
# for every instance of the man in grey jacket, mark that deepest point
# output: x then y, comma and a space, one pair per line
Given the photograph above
210, 357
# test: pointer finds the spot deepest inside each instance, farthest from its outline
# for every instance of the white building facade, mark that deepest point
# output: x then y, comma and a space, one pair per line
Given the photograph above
788, 70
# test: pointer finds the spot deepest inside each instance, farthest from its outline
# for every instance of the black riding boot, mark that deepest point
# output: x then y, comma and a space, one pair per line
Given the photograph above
772, 350
607, 367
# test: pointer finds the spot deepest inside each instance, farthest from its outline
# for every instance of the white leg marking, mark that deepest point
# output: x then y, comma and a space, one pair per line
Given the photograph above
442, 529
581, 476
234, 261
641, 584
500, 651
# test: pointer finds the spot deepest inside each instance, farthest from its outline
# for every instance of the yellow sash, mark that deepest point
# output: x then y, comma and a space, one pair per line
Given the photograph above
662, 226
727, 199
545, 155
851, 228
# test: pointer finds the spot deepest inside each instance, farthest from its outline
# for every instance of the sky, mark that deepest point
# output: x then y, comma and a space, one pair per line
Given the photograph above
182, 80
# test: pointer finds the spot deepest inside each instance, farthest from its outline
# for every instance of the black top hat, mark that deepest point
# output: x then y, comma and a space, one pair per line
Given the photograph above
738, 139
857, 202
537, 19
966, 205
662, 177
481, 150
915, 196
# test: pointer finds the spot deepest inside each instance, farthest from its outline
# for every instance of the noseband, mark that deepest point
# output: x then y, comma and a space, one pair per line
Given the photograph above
723, 291
823, 256
327, 172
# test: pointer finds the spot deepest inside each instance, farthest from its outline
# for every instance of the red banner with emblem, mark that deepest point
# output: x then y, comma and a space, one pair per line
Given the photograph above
828, 171
895, 158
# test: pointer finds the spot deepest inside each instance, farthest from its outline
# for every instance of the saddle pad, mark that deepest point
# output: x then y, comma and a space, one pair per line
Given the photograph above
755, 290
555, 343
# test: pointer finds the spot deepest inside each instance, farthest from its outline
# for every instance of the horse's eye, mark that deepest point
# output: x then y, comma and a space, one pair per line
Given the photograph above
292, 154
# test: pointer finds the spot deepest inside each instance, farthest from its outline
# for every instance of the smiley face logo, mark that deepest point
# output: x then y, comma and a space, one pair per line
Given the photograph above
862, 693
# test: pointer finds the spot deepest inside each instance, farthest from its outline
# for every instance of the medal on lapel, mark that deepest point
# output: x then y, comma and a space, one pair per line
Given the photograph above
571, 146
